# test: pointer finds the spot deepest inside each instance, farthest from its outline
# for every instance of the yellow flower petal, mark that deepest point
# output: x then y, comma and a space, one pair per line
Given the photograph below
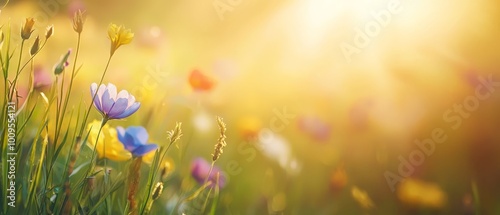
149, 157
108, 142
119, 36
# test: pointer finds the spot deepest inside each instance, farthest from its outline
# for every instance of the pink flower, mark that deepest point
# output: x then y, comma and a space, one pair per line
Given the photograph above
199, 170
42, 79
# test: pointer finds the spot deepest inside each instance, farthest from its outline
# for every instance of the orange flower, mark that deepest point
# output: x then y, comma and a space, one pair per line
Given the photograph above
200, 81
339, 179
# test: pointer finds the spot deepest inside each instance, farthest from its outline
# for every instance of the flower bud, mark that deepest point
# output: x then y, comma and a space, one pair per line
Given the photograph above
35, 47
49, 32
157, 190
63, 63
27, 28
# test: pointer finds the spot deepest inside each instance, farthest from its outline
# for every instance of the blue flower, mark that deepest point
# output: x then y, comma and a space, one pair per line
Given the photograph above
113, 105
135, 140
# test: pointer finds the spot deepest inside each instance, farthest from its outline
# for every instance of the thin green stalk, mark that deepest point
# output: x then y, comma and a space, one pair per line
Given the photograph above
13, 86
216, 197
94, 152
158, 160
33, 56
65, 101
85, 118
86, 115
475, 196
5, 68
209, 172
31, 88
206, 200
19, 68
37, 172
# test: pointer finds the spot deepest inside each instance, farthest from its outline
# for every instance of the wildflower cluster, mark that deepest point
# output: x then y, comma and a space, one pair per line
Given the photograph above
71, 164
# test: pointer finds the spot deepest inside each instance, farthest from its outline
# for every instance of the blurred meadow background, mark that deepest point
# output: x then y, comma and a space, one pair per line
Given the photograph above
326, 102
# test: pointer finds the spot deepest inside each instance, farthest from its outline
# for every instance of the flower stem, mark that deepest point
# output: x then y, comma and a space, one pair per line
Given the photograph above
94, 152
133, 184
209, 172
85, 118
93, 98
66, 100
13, 86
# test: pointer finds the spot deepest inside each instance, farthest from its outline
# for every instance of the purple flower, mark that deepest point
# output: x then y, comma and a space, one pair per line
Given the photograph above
199, 170
135, 140
112, 105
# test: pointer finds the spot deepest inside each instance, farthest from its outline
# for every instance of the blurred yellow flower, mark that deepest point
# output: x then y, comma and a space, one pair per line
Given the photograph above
362, 197
249, 127
149, 157
166, 167
114, 149
419, 193
119, 35
27, 28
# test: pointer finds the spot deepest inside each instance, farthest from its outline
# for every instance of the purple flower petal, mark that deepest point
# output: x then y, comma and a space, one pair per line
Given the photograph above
200, 169
123, 94
129, 111
118, 108
111, 104
144, 149
107, 102
98, 104
93, 91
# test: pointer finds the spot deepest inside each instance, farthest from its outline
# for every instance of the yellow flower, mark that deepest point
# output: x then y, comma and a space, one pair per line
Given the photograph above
249, 127
114, 149
149, 157
27, 28
119, 35
420, 193
167, 168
